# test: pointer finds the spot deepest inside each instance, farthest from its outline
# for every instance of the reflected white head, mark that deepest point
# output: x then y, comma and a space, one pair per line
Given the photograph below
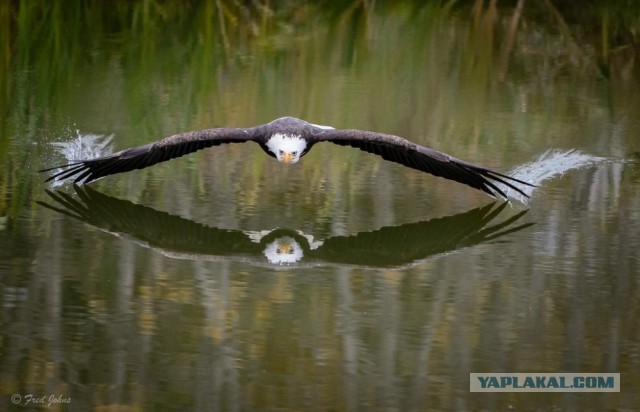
287, 148
283, 250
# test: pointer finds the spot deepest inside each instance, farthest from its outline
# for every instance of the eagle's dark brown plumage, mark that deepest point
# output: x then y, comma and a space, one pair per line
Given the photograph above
389, 147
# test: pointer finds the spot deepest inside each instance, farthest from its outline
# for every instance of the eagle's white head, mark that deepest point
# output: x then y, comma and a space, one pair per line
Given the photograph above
286, 148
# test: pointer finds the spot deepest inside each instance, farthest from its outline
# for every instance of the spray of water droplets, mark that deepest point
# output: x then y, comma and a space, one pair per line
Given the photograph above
548, 165
83, 146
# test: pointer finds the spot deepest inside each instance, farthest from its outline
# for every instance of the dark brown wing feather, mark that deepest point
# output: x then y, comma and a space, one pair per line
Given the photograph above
85, 171
399, 150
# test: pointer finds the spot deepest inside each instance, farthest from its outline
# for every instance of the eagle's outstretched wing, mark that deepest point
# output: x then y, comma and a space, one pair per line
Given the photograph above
399, 150
85, 171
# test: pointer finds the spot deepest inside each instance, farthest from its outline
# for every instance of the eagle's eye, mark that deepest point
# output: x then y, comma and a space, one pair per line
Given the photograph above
294, 153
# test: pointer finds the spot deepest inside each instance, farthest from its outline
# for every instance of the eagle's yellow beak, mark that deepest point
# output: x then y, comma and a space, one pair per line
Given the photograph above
286, 158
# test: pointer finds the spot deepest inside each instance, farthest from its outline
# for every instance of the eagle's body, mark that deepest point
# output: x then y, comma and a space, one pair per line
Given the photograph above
288, 139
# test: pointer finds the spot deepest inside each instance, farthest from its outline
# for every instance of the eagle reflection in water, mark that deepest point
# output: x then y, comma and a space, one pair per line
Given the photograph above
390, 246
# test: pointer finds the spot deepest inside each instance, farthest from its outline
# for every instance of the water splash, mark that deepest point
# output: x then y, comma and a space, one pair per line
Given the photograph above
548, 165
84, 146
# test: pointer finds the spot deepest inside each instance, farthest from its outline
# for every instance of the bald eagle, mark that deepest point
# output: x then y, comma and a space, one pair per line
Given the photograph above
288, 139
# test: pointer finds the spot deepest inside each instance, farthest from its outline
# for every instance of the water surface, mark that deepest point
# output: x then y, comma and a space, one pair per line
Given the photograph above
152, 290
